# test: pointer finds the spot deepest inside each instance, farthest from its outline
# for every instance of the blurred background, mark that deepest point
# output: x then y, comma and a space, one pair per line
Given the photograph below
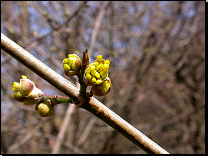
157, 55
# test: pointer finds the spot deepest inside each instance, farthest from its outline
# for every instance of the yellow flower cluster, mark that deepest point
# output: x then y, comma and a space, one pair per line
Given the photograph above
102, 89
97, 71
71, 64
105, 86
16, 88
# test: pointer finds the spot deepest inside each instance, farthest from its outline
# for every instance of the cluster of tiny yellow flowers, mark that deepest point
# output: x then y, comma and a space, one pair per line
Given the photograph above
16, 88
71, 65
105, 86
95, 74
97, 71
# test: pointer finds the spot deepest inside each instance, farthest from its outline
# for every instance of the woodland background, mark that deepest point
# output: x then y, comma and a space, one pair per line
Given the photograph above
157, 54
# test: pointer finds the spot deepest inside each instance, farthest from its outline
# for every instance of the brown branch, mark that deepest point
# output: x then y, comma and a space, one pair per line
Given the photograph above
20, 127
60, 136
93, 106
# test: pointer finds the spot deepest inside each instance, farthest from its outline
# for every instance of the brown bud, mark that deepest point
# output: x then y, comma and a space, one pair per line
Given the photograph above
85, 58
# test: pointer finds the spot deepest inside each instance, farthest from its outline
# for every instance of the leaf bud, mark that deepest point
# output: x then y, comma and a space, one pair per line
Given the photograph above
85, 58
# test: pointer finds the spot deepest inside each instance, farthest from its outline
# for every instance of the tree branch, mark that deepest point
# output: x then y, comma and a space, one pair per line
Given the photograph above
93, 106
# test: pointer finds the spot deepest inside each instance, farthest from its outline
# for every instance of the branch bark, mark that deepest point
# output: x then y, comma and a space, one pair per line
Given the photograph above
93, 106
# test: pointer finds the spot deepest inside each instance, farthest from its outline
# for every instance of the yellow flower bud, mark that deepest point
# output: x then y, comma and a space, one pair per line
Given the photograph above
95, 64
65, 61
93, 72
88, 76
99, 58
97, 75
66, 67
15, 89
107, 62
106, 67
87, 71
24, 77
99, 82
16, 85
92, 67
93, 79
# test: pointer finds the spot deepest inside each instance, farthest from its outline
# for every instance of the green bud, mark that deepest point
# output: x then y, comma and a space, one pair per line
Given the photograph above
44, 109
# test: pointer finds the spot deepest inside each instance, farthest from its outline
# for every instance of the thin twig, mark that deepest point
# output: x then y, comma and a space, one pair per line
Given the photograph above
97, 26
93, 106
25, 139
59, 138
65, 143
20, 127
60, 25
86, 131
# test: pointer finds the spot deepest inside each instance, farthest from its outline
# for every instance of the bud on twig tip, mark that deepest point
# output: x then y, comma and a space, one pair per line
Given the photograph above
85, 58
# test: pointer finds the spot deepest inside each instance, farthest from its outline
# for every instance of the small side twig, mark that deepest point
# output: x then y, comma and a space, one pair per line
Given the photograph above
97, 26
56, 99
66, 122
